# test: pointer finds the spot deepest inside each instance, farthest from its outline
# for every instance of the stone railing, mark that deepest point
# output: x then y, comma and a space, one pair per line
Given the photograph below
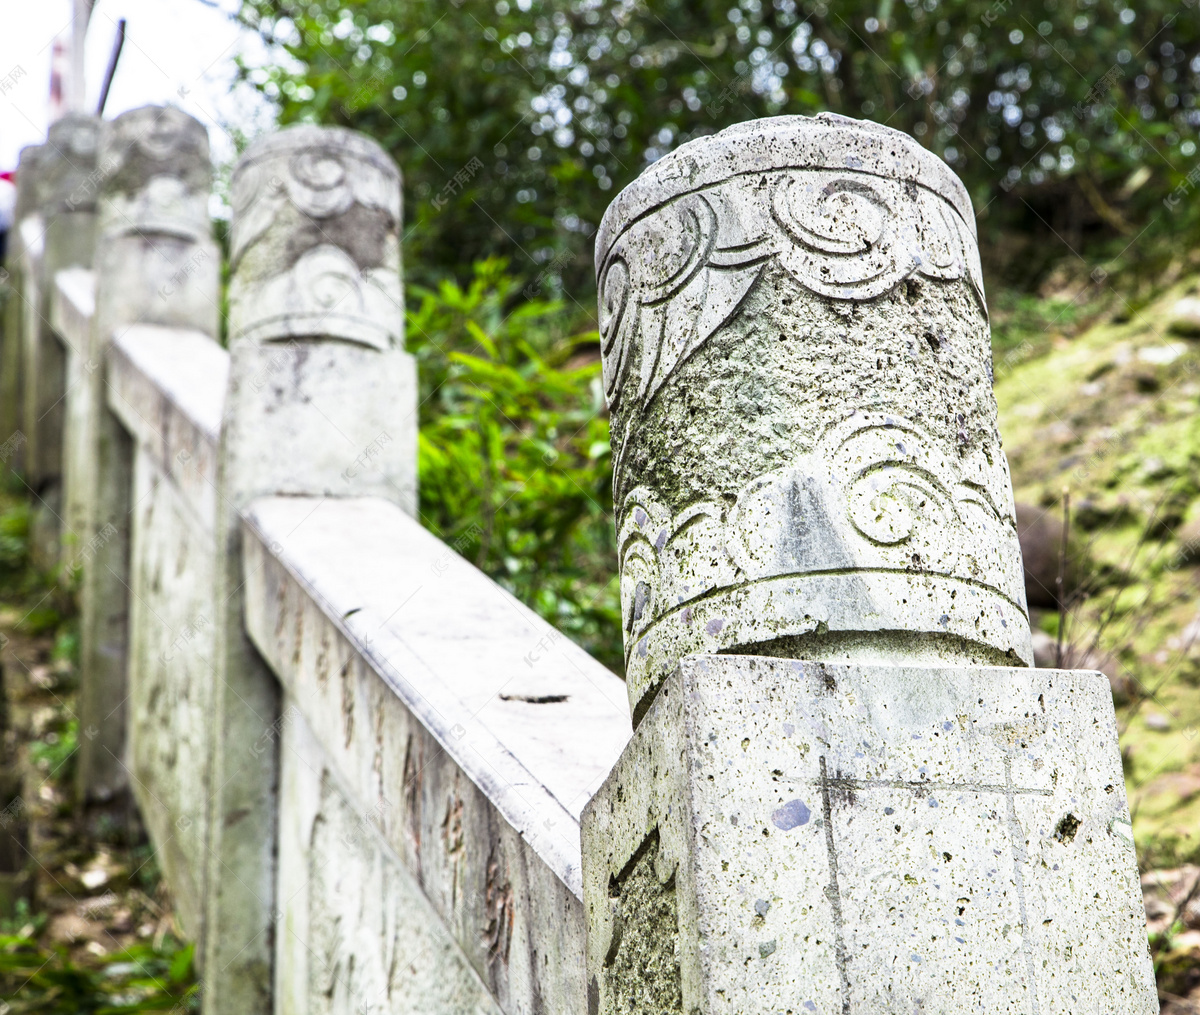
361, 762
376, 782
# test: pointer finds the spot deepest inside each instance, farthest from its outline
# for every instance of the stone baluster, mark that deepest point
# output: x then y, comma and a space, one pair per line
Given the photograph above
155, 263
66, 174
322, 402
846, 792
23, 263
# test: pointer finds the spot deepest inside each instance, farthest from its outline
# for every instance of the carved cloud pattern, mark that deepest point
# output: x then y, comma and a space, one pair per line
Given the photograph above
679, 273
875, 489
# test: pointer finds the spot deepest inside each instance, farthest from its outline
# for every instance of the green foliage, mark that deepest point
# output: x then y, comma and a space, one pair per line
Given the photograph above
24, 921
42, 619
1022, 319
66, 643
14, 540
139, 979
54, 753
514, 457
1070, 120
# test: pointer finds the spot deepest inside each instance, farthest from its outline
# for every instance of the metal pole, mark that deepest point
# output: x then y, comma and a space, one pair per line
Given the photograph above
118, 43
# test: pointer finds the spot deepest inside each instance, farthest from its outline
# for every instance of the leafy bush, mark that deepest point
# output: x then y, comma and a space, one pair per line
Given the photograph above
516, 121
14, 540
54, 754
514, 455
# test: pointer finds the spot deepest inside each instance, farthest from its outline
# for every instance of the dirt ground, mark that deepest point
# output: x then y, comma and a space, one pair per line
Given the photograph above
92, 929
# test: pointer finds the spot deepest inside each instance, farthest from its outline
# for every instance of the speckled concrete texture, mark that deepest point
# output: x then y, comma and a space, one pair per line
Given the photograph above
868, 839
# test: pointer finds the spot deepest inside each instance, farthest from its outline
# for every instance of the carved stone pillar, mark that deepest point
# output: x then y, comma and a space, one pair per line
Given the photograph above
155, 263
806, 458
890, 812
67, 178
25, 245
316, 321
322, 403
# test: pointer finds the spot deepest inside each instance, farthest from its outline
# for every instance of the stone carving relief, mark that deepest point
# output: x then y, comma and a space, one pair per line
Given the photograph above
315, 240
886, 512
154, 175
876, 494
674, 277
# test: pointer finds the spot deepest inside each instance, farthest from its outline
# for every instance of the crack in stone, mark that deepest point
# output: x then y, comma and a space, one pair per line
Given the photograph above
832, 892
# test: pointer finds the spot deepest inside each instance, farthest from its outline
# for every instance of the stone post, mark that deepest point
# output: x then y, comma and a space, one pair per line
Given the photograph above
156, 263
807, 466
67, 180
322, 403
25, 243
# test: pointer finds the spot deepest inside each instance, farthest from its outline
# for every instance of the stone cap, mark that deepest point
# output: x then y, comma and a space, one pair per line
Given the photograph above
66, 165
74, 136
154, 174
299, 136
825, 141
317, 189
315, 240
29, 168
153, 140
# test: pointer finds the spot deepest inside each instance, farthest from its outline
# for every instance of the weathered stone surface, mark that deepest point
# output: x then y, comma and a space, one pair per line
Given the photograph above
25, 243
321, 401
155, 264
787, 836
320, 364
156, 253
170, 659
28, 181
796, 353
315, 242
157, 175
167, 389
66, 178
357, 933
72, 307
352, 409
67, 167
469, 747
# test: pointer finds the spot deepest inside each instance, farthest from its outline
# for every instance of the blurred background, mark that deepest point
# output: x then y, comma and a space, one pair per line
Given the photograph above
1074, 125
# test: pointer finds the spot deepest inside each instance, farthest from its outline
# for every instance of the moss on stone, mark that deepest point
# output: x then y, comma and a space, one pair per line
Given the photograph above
1078, 413
763, 388
642, 974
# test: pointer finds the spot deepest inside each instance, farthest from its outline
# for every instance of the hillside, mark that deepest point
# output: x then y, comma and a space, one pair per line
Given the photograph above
1109, 412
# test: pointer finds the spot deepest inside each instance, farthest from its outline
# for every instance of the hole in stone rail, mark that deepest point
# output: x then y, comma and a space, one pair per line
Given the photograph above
1065, 832
536, 699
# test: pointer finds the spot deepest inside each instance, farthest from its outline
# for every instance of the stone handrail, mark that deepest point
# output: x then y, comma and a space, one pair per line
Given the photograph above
468, 747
